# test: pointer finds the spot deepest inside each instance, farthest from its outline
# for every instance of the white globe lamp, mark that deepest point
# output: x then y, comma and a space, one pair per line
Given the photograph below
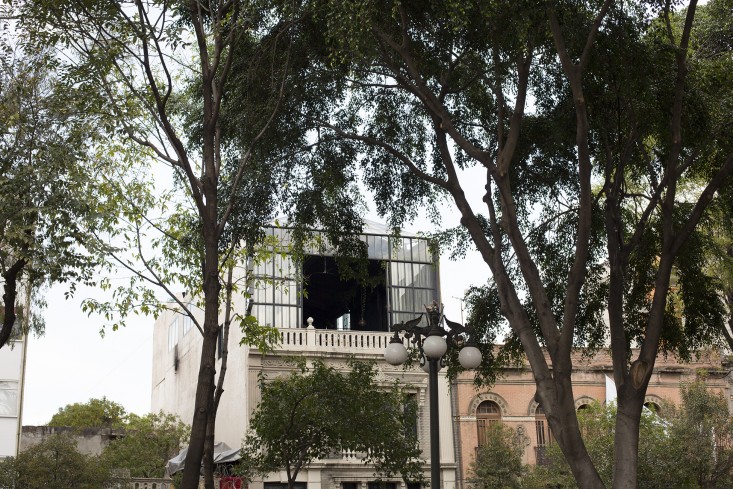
396, 353
434, 347
469, 357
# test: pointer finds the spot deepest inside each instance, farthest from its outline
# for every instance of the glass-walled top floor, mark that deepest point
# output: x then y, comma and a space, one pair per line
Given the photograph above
403, 277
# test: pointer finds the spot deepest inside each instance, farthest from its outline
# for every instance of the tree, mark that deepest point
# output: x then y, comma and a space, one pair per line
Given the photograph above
596, 194
55, 462
95, 413
50, 202
317, 410
703, 427
147, 444
160, 69
498, 462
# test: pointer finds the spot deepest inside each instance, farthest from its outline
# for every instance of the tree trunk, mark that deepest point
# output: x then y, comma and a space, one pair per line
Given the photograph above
10, 277
205, 384
626, 439
556, 397
208, 461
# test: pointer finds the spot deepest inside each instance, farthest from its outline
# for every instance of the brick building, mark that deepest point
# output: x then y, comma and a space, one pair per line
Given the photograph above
511, 400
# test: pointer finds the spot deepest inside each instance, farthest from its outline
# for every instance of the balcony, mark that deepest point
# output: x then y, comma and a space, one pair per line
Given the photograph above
305, 340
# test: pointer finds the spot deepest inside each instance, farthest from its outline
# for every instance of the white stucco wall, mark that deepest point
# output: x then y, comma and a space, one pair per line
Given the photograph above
11, 384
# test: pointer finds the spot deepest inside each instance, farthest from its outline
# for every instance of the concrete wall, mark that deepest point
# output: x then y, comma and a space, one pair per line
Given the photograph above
89, 441
174, 383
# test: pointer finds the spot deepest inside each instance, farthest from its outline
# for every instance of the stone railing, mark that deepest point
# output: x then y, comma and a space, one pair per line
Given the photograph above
315, 340
140, 483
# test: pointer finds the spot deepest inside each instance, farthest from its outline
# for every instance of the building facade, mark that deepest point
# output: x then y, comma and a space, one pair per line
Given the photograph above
351, 319
319, 314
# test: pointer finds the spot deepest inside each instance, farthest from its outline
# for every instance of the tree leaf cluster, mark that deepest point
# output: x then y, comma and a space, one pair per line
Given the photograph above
144, 443
55, 462
686, 446
316, 411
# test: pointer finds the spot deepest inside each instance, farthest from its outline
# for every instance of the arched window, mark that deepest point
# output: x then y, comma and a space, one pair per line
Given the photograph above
487, 413
583, 407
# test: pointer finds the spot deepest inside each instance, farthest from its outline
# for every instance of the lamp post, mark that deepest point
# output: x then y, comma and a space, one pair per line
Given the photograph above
432, 341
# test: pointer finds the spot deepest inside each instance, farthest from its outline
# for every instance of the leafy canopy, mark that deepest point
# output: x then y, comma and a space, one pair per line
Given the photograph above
55, 462
317, 410
498, 462
53, 162
148, 442
685, 446
95, 413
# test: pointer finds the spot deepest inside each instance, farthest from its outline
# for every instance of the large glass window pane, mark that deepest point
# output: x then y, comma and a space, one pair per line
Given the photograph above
401, 300
421, 252
422, 275
285, 292
258, 311
266, 318
403, 249
262, 292
422, 297
8, 398
403, 317
378, 247
394, 273
283, 266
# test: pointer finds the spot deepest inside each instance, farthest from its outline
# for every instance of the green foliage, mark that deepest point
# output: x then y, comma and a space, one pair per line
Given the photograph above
55, 462
688, 447
52, 198
147, 444
317, 410
95, 413
498, 463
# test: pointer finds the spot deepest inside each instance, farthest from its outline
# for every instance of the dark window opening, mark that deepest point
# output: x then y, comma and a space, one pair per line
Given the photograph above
335, 303
349, 485
410, 415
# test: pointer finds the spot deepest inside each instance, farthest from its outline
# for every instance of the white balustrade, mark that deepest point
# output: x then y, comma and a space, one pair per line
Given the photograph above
314, 340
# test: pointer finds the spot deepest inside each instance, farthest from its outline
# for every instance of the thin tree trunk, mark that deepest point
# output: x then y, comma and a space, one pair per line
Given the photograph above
205, 386
211, 425
10, 277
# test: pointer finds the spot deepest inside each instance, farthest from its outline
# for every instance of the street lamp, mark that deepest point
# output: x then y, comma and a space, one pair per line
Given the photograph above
432, 341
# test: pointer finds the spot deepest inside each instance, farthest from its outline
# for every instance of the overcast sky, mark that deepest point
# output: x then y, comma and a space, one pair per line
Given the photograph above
73, 363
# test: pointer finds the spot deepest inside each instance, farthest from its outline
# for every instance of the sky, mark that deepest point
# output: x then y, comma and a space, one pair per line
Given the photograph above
72, 362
